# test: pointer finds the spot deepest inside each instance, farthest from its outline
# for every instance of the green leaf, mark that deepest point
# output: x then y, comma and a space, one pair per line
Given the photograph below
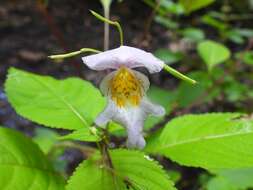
174, 175
142, 171
193, 34
246, 57
171, 7
193, 5
213, 53
235, 90
215, 140
132, 169
116, 129
168, 56
184, 98
166, 22
84, 134
23, 166
45, 138
166, 7
234, 36
67, 104
238, 178
93, 175
248, 33
220, 183
211, 21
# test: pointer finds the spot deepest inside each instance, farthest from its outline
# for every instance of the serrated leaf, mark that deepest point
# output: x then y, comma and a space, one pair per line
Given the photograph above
67, 104
92, 175
213, 53
132, 170
193, 5
142, 171
216, 140
83, 134
23, 166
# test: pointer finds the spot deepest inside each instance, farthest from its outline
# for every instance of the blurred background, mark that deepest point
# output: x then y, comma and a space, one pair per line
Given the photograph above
181, 34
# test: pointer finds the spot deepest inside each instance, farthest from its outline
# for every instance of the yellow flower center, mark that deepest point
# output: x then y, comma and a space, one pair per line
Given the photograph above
125, 88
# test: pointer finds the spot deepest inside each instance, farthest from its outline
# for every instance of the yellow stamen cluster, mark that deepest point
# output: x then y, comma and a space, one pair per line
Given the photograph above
125, 88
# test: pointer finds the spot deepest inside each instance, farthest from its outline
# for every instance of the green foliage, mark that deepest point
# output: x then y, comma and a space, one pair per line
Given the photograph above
45, 138
174, 175
245, 57
220, 183
171, 7
184, 98
194, 5
213, 53
168, 56
166, 7
84, 134
132, 169
234, 36
193, 34
214, 22
23, 165
217, 140
67, 104
92, 175
234, 179
166, 22
239, 178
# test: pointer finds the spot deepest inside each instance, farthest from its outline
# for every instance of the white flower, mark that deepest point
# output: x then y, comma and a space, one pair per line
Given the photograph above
129, 57
126, 89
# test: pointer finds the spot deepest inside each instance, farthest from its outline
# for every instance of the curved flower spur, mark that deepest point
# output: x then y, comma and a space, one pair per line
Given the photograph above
124, 87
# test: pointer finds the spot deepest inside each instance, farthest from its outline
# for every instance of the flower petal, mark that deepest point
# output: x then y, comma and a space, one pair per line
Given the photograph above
135, 140
105, 83
105, 116
130, 117
124, 55
144, 80
152, 108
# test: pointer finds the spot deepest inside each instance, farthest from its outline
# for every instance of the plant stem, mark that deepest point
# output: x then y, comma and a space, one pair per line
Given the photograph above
106, 28
150, 19
179, 75
72, 54
86, 150
114, 23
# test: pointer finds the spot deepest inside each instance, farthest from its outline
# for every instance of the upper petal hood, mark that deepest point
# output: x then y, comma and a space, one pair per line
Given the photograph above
124, 55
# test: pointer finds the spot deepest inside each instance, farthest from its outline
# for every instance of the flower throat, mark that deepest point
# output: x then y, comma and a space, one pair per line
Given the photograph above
126, 88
